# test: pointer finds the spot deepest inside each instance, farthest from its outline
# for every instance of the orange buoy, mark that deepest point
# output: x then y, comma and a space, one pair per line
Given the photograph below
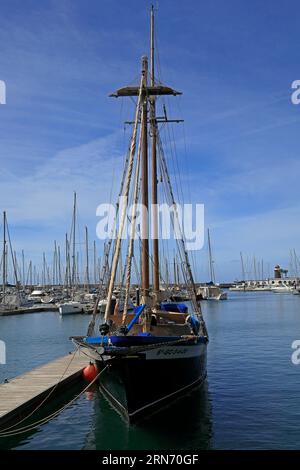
90, 372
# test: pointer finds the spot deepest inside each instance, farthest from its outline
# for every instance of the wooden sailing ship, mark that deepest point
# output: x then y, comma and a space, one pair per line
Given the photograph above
158, 352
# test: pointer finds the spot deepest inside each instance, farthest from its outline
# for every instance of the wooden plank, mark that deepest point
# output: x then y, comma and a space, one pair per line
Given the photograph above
21, 394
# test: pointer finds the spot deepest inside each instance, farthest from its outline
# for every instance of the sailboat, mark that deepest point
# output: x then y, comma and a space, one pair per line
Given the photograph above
11, 298
157, 353
71, 306
211, 291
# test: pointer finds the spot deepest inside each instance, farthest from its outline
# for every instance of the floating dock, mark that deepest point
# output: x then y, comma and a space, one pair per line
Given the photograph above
34, 309
41, 308
22, 394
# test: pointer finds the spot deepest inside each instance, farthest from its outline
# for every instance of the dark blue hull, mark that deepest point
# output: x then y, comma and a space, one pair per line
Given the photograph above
138, 384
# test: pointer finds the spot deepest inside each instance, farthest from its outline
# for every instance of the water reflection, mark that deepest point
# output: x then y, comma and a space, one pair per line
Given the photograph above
186, 424
27, 439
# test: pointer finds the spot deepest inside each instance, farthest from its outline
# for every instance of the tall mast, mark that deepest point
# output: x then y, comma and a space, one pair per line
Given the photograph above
15, 264
148, 93
95, 268
44, 271
154, 164
167, 273
178, 275
87, 258
59, 265
175, 271
78, 273
255, 271
99, 277
211, 266
67, 278
54, 271
23, 269
30, 273
296, 263
73, 251
145, 202
243, 267
4, 256
152, 46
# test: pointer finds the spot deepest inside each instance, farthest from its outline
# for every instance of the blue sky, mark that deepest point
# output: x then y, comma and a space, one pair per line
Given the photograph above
238, 148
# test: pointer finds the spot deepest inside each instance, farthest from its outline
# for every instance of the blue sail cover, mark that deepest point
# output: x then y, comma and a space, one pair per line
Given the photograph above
174, 307
137, 340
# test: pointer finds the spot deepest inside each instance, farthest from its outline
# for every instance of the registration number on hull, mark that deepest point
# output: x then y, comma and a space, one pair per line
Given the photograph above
174, 352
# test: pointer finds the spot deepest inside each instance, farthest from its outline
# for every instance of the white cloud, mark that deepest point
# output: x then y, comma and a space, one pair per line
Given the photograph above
45, 196
269, 236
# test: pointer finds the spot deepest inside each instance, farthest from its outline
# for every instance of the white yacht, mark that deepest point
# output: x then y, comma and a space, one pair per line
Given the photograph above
212, 292
71, 307
37, 295
282, 289
103, 302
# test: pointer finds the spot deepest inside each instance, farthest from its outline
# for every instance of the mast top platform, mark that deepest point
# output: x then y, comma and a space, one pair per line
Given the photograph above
149, 90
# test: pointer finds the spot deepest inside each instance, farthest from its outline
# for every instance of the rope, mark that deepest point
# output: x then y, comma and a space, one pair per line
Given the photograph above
46, 398
189, 274
107, 249
123, 215
33, 426
133, 224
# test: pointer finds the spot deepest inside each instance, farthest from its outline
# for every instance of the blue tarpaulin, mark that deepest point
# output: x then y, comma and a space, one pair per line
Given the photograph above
174, 307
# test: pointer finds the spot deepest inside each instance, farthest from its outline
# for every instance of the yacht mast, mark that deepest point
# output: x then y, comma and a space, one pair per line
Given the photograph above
67, 276
23, 269
243, 267
59, 265
116, 255
211, 263
147, 93
4, 256
44, 271
87, 269
74, 238
94, 260
144, 186
154, 164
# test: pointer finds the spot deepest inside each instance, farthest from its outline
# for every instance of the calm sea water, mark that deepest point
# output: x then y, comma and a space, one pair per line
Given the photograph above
251, 399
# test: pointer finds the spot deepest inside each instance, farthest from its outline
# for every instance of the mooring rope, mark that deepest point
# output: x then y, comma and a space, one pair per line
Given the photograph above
46, 398
48, 418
